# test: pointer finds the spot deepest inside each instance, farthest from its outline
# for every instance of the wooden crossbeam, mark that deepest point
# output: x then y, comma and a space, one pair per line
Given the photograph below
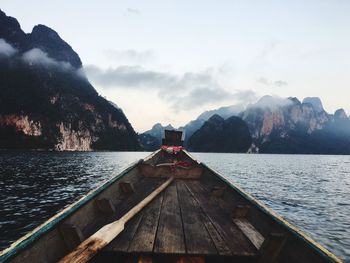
95, 243
105, 205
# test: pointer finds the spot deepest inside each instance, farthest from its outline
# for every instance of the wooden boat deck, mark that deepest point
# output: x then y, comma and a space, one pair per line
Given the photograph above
185, 219
199, 217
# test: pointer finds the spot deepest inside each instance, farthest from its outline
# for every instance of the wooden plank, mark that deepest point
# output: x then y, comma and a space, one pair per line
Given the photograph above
170, 236
71, 235
249, 230
143, 241
127, 187
105, 205
95, 243
189, 259
143, 189
197, 238
217, 192
238, 243
240, 211
219, 242
272, 247
122, 242
145, 259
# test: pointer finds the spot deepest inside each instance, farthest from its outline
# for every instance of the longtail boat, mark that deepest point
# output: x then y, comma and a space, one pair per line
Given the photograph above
167, 207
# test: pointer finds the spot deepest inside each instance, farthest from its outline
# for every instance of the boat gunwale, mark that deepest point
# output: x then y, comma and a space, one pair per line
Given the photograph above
22, 243
322, 251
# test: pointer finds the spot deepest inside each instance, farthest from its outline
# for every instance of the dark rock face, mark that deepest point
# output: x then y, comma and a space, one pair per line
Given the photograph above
224, 112
340, 114
220, 135
49, 41
149, 142
47, 103
152, 139
279, 125
41, 37
191, 128
298, 128
315, 102
11, 31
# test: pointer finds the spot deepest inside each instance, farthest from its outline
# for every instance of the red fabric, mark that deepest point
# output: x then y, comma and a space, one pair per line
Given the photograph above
172, 149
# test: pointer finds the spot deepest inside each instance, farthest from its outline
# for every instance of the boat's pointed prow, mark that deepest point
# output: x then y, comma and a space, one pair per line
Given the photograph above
168, 208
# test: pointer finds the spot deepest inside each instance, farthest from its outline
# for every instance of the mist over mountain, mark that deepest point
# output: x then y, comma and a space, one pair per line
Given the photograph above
282, 125
46, 101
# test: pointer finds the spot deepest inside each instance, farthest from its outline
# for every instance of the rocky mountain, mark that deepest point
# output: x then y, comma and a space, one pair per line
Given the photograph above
224, 112
315, 102
191, 128
46, 101
220, 135
280, 125
152, 139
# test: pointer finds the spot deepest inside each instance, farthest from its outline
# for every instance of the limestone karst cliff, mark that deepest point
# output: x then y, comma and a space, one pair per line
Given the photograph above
46, 101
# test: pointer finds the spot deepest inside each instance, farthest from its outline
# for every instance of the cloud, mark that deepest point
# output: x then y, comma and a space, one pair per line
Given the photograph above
245, 97
134, 77
36, 56
130, 55
271, 102
267, 50
267, 82
188, 90
201, 96
133, 11
280, 83
6, 49
137, 77
263, 81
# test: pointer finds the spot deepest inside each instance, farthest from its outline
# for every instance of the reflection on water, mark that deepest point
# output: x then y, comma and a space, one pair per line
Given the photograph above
312, 192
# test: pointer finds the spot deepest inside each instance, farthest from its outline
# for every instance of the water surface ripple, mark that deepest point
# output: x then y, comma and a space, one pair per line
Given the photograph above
310, 191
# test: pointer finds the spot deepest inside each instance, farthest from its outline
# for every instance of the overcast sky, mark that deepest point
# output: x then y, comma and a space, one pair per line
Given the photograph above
168, 61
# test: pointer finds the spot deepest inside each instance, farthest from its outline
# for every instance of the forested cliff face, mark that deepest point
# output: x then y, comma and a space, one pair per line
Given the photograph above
276, 125
46, 101
290, 126
220, 135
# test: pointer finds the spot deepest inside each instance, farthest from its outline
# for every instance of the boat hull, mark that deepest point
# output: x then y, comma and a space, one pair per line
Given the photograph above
204, 218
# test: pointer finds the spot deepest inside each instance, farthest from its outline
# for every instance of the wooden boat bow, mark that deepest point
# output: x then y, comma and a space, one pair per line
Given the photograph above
91, 246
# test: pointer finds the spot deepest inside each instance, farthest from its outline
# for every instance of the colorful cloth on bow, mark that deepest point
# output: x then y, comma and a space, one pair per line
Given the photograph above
172, 149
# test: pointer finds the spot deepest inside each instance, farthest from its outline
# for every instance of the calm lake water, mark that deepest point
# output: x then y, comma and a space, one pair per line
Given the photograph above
310, 191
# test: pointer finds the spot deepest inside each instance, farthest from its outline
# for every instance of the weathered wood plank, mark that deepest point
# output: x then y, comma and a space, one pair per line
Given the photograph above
189, 259
221, 219
143, 241
105, 205
272, 247
127, 187
142, 189
170, 236
219, 242
240, 211
96, 242
250, 232
122, 242
198, 240
71, 235
145, 259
